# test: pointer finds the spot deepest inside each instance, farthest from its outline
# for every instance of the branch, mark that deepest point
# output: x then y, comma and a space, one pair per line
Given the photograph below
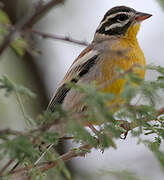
57, 37
81, 151
45, 166
12, 132
6, 166
9, 37
29, 22
30, 133
40, 11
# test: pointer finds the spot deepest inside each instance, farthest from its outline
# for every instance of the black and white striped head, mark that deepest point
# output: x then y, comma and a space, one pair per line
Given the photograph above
119, 19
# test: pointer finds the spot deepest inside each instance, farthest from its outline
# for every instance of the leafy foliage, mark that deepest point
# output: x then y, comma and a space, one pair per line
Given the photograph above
129, 116
10, 87
18, 43
115, 121
20, 147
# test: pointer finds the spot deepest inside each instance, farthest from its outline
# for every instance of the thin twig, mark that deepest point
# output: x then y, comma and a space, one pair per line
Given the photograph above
9, 37
65, 157
6, 166
30, 133
72, 154
57, 37
37, 161
12, 132
26, 118
40, 11
29, 22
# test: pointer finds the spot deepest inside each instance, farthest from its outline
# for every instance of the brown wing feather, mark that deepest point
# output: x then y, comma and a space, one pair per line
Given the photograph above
78, 70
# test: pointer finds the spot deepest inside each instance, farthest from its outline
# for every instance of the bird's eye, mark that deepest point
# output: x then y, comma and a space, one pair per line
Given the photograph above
122, 17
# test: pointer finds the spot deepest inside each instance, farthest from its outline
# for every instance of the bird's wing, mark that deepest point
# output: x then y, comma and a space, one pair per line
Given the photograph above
79, 68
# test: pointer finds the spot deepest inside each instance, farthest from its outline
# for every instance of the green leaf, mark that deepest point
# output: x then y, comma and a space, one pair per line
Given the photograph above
24, 91
129, 92
4, 17
18, 44
96, 102
50, 137
7, 85
80, 133
159, 69
154, 146
20, 147
10, 87
61, 167
107, 141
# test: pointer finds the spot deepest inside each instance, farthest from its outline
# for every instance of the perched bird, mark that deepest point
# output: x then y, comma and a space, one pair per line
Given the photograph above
114, 45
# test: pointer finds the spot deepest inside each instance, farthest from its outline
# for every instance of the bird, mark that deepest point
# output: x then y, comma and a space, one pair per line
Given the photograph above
114, 45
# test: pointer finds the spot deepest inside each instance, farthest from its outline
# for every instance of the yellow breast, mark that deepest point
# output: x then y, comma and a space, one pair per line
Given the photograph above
126, 53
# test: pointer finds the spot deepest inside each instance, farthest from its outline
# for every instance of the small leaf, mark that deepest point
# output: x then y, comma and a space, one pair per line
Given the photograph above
51, 137
19, 45
4, 17
10, 87
20, 147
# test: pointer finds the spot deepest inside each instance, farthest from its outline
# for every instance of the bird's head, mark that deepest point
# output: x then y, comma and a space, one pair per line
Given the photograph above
120, 21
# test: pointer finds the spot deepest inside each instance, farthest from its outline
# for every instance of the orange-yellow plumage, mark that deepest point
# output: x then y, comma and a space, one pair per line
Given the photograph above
131, 54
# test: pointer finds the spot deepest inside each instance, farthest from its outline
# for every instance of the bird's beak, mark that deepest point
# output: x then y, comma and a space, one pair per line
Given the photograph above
140, 16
